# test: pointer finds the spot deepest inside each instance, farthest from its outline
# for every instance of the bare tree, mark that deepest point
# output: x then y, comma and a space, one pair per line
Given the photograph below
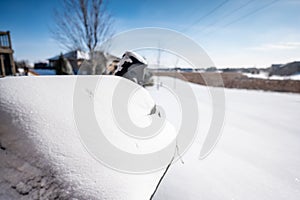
82, 24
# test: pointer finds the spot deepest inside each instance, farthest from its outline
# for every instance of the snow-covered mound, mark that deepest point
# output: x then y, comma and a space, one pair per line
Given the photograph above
42, 155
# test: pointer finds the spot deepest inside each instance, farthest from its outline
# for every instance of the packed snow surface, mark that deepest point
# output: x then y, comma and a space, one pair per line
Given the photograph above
38, 129
257, 156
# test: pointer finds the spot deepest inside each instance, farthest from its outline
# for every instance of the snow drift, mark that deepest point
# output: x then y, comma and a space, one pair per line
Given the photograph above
41, 152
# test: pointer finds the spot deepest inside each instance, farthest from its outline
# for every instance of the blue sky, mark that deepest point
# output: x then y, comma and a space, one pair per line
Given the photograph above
234, 35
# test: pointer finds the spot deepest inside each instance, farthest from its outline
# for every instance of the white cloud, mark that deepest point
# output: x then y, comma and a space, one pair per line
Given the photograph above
278, 46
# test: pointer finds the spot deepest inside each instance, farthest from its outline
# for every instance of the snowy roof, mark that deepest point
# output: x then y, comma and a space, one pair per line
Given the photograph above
73, 55
81, 55
290, 64
128, 54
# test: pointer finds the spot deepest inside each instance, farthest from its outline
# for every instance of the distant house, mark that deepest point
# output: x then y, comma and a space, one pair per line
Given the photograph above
286, 69
7, 64
76, 58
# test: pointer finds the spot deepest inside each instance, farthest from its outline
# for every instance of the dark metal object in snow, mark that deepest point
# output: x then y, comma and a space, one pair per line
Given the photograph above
132, 67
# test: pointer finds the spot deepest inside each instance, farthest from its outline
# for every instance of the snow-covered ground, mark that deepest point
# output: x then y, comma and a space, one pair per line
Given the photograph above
274, 77
257, 156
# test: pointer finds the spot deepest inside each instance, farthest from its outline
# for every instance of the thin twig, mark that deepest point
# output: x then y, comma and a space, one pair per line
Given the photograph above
165, 172
161, 178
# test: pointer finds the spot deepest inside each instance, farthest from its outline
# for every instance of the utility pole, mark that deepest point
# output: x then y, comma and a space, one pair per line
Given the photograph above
158, 65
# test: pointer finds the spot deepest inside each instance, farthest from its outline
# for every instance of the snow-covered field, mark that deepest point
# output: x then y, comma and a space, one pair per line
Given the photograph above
274, 77
257, 156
